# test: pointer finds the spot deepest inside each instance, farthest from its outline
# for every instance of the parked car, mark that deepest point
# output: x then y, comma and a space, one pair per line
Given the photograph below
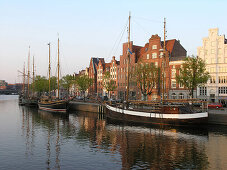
215, 105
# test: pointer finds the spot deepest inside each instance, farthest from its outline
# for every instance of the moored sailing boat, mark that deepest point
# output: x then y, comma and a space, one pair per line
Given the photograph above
171, 112
57, 104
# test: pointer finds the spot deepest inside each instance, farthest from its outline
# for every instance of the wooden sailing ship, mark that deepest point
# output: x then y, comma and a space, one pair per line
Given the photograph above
25, 98
165, 112
56, 104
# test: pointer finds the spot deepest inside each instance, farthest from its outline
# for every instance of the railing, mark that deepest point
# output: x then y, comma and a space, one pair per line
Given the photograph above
155, 106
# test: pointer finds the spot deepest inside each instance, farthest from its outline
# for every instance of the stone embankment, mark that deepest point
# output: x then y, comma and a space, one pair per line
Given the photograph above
217, 116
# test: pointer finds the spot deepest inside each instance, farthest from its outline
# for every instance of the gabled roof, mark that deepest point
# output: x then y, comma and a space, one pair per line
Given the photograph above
169, 45
95, 62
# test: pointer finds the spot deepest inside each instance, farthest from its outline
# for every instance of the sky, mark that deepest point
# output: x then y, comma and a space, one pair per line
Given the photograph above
96, 28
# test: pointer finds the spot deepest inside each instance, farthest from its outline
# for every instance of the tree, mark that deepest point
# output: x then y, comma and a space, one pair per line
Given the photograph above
192, 73
108, 83
53, 83
41, 84
83, 82
147, 76
67, 81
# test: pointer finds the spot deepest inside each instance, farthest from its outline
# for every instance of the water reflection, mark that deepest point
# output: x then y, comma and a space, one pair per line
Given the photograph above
142, 147
34, 121
129, 147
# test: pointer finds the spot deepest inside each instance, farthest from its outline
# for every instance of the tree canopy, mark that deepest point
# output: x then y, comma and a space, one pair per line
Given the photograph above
41, 84
192, 73
67, 81
108, 83
83, 82
146, 76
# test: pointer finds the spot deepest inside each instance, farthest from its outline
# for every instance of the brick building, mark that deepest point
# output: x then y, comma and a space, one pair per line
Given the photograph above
102, 68
152, 52
92, 73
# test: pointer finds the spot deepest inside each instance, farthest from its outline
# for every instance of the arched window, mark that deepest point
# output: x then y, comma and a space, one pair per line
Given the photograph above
174, 96
181, 96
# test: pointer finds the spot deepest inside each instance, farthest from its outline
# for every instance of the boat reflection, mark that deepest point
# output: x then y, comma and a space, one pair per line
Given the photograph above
133, 147
32, 121
143, 147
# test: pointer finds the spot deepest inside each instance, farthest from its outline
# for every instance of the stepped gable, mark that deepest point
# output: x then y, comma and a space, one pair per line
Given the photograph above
95, 62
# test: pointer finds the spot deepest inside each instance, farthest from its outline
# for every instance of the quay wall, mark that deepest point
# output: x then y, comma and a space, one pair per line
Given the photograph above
86, 106
216, 117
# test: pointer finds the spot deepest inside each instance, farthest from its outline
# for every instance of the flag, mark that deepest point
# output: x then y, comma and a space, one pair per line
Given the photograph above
129, 51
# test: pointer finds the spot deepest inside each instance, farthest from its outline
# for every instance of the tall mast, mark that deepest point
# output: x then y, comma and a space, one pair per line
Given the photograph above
127, 87
24, 79
33, 77
49, 69
164, 61
28, 70
58, 67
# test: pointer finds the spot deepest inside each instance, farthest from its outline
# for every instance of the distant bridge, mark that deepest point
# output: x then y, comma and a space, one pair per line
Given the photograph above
8, 92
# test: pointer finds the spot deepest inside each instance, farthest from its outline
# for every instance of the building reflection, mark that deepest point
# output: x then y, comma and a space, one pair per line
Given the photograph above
146, 148
138, 147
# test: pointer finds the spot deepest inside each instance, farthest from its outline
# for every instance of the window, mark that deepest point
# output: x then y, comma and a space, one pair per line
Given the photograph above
174, 96
173, 83
212, 69
147, 56
181, 96
174, 73
222, 90
161, 54
222, 79
154, 55
213, 43
181, 85
154, 47
202, 91
212, 80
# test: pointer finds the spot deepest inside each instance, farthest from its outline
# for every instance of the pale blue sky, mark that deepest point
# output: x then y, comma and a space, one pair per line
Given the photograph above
90, 29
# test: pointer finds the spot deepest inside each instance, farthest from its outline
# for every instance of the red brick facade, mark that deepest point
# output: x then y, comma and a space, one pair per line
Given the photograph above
152, 52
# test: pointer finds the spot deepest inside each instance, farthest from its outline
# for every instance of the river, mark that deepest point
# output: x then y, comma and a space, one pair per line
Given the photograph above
34, 139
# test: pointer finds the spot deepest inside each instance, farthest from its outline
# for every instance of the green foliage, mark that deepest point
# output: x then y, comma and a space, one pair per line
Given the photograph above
53, 83
67, 81
83, 82
108, 83
147, 77
193, 73
41, 84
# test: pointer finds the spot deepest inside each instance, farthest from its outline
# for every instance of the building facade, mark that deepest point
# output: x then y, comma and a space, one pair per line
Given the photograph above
214, 52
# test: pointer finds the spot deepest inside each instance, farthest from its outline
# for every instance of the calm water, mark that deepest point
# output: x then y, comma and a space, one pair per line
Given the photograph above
33, 139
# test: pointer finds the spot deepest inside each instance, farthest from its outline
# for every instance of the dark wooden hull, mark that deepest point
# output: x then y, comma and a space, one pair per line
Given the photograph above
54, 106
121, 115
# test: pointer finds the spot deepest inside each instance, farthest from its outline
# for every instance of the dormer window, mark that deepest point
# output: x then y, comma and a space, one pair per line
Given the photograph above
145, 49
